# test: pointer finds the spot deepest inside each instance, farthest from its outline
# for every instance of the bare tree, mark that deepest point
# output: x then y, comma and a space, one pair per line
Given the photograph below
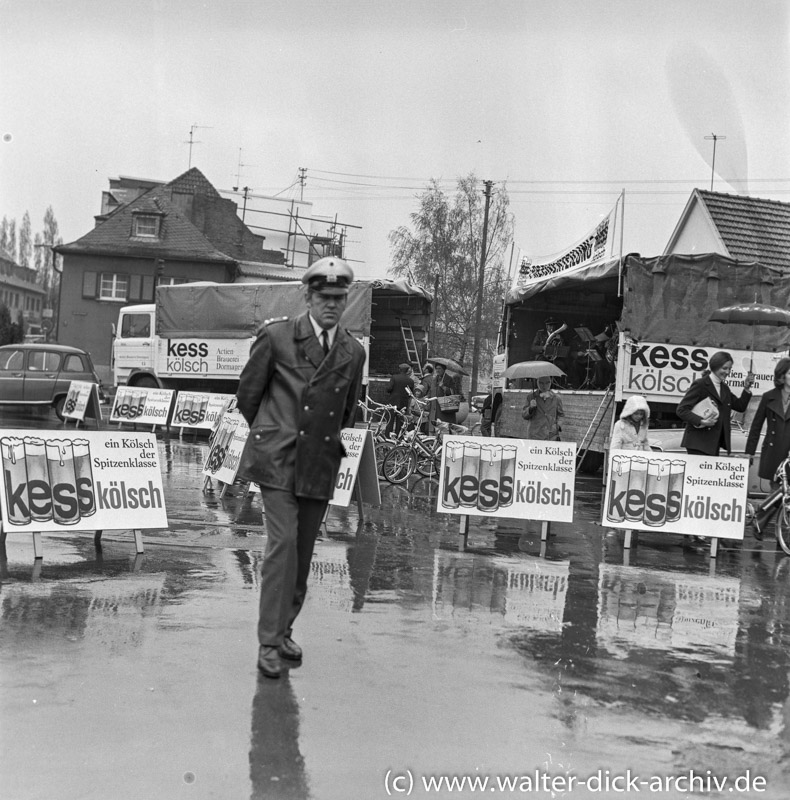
25, 255
441, 250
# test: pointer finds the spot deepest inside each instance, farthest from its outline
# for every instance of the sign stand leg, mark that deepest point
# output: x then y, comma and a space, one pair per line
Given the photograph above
544, 530
138, 540
360, 507
322, 529
714, 548
3, 533
97, 539
463, 532
628, 539
38, 551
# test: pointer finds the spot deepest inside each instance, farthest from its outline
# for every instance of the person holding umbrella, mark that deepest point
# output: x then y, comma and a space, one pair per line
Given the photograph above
443, 386
707, 406
543, 409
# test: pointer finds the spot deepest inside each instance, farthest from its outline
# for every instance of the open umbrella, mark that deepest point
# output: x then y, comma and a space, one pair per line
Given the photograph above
533, 369
449, 364
751, 314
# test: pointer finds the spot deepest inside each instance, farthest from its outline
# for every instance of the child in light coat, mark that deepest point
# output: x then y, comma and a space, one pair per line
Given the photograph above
630, 431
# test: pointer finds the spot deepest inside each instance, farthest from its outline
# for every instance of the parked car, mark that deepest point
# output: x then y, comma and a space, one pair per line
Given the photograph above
668, 440
40, 374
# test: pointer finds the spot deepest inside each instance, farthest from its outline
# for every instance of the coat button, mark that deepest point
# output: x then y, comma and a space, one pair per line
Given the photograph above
307, 408
326, 438
257, 437
331, 413
337, 389
301, 433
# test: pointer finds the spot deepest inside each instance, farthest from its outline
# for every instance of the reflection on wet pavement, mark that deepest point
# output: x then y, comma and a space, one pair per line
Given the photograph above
420, 654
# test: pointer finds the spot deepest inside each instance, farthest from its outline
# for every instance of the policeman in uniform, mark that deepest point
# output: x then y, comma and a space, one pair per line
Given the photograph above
297, 391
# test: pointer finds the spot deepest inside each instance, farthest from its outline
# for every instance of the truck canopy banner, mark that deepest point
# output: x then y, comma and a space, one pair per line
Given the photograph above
670, 299
232, 310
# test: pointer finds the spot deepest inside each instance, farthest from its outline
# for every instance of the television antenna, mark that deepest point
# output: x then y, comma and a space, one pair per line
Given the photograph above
192, 141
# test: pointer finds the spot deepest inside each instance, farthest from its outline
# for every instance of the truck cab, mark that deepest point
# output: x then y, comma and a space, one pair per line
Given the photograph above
133, 345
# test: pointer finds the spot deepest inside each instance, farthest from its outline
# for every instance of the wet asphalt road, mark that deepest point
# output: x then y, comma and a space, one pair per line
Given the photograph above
125, 676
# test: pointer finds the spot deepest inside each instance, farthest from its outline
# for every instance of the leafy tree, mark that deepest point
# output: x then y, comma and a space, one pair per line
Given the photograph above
25, 242
4, 235
441, 249
6, 326
10, 247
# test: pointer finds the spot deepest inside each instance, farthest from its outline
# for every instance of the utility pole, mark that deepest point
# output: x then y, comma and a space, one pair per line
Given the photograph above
713, 164
480, 284
302, 181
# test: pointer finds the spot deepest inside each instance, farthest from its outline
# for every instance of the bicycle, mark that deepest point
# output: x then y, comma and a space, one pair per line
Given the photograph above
420, 452
778, 502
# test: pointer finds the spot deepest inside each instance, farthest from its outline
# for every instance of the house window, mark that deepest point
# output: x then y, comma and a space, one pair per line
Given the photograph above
145, 226
113, 286
164, 281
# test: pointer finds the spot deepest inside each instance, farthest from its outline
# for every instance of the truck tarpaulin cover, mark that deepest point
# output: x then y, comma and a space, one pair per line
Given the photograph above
670, 298
233, 310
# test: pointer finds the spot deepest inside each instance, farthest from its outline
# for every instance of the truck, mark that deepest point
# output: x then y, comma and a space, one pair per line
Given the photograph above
648, 320
197, 336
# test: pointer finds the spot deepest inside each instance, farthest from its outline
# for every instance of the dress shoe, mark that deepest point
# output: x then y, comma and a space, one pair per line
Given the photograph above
290, 649
269, 662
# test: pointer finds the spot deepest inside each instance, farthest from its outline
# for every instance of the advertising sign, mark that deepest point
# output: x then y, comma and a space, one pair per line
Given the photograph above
359, 464
78, 399
676, 493
518, 478
199, 410
135, 404
202, 358
663, 372
60, 480
224, 455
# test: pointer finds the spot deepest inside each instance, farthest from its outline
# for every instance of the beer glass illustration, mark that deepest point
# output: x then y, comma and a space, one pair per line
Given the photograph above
38, 483
490, 475
201, 407
677, 474
453, 469
63, 482
12, 449
635, 498
656, 493
471, 468
86, 498
120, 402
618, 486
136, 404
507, 478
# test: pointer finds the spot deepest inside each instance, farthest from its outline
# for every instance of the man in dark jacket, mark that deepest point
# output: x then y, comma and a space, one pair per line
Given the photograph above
398, 390
297, 391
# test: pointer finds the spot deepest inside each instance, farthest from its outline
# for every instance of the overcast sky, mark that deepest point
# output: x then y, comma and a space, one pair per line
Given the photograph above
568, 102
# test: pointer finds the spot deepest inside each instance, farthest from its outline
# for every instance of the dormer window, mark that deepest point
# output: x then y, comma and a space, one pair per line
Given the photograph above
146, 226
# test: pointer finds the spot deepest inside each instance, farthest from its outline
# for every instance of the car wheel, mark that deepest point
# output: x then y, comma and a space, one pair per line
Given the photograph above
147, 382
58, 406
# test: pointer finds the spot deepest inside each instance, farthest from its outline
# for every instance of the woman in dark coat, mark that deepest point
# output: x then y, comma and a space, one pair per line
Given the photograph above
707, 435
774, 409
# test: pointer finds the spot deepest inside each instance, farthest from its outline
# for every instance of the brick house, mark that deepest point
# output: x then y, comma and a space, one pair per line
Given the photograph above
150, 234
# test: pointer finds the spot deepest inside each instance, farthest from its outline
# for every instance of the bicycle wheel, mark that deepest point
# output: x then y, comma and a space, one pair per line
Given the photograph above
428, 462
783, 528
382, 448
398, 464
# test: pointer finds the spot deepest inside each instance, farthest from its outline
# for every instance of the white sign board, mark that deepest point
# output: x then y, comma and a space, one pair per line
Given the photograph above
664, 372
199, 410
78, 399
59, 480
358, 465
224, 455
202, 358
516, 478
135, 404
676, 493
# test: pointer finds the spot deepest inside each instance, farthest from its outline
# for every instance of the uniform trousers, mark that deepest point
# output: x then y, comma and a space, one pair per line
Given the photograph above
292, 526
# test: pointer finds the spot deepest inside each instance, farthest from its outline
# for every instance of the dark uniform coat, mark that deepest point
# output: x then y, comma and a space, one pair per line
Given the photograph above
709, 440
777, 436
296, 402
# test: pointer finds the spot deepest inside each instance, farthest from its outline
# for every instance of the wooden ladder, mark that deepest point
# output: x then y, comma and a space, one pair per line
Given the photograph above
412, 354
597, 419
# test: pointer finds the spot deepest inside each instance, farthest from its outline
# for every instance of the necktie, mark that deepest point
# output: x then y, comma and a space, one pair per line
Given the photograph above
325, 341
